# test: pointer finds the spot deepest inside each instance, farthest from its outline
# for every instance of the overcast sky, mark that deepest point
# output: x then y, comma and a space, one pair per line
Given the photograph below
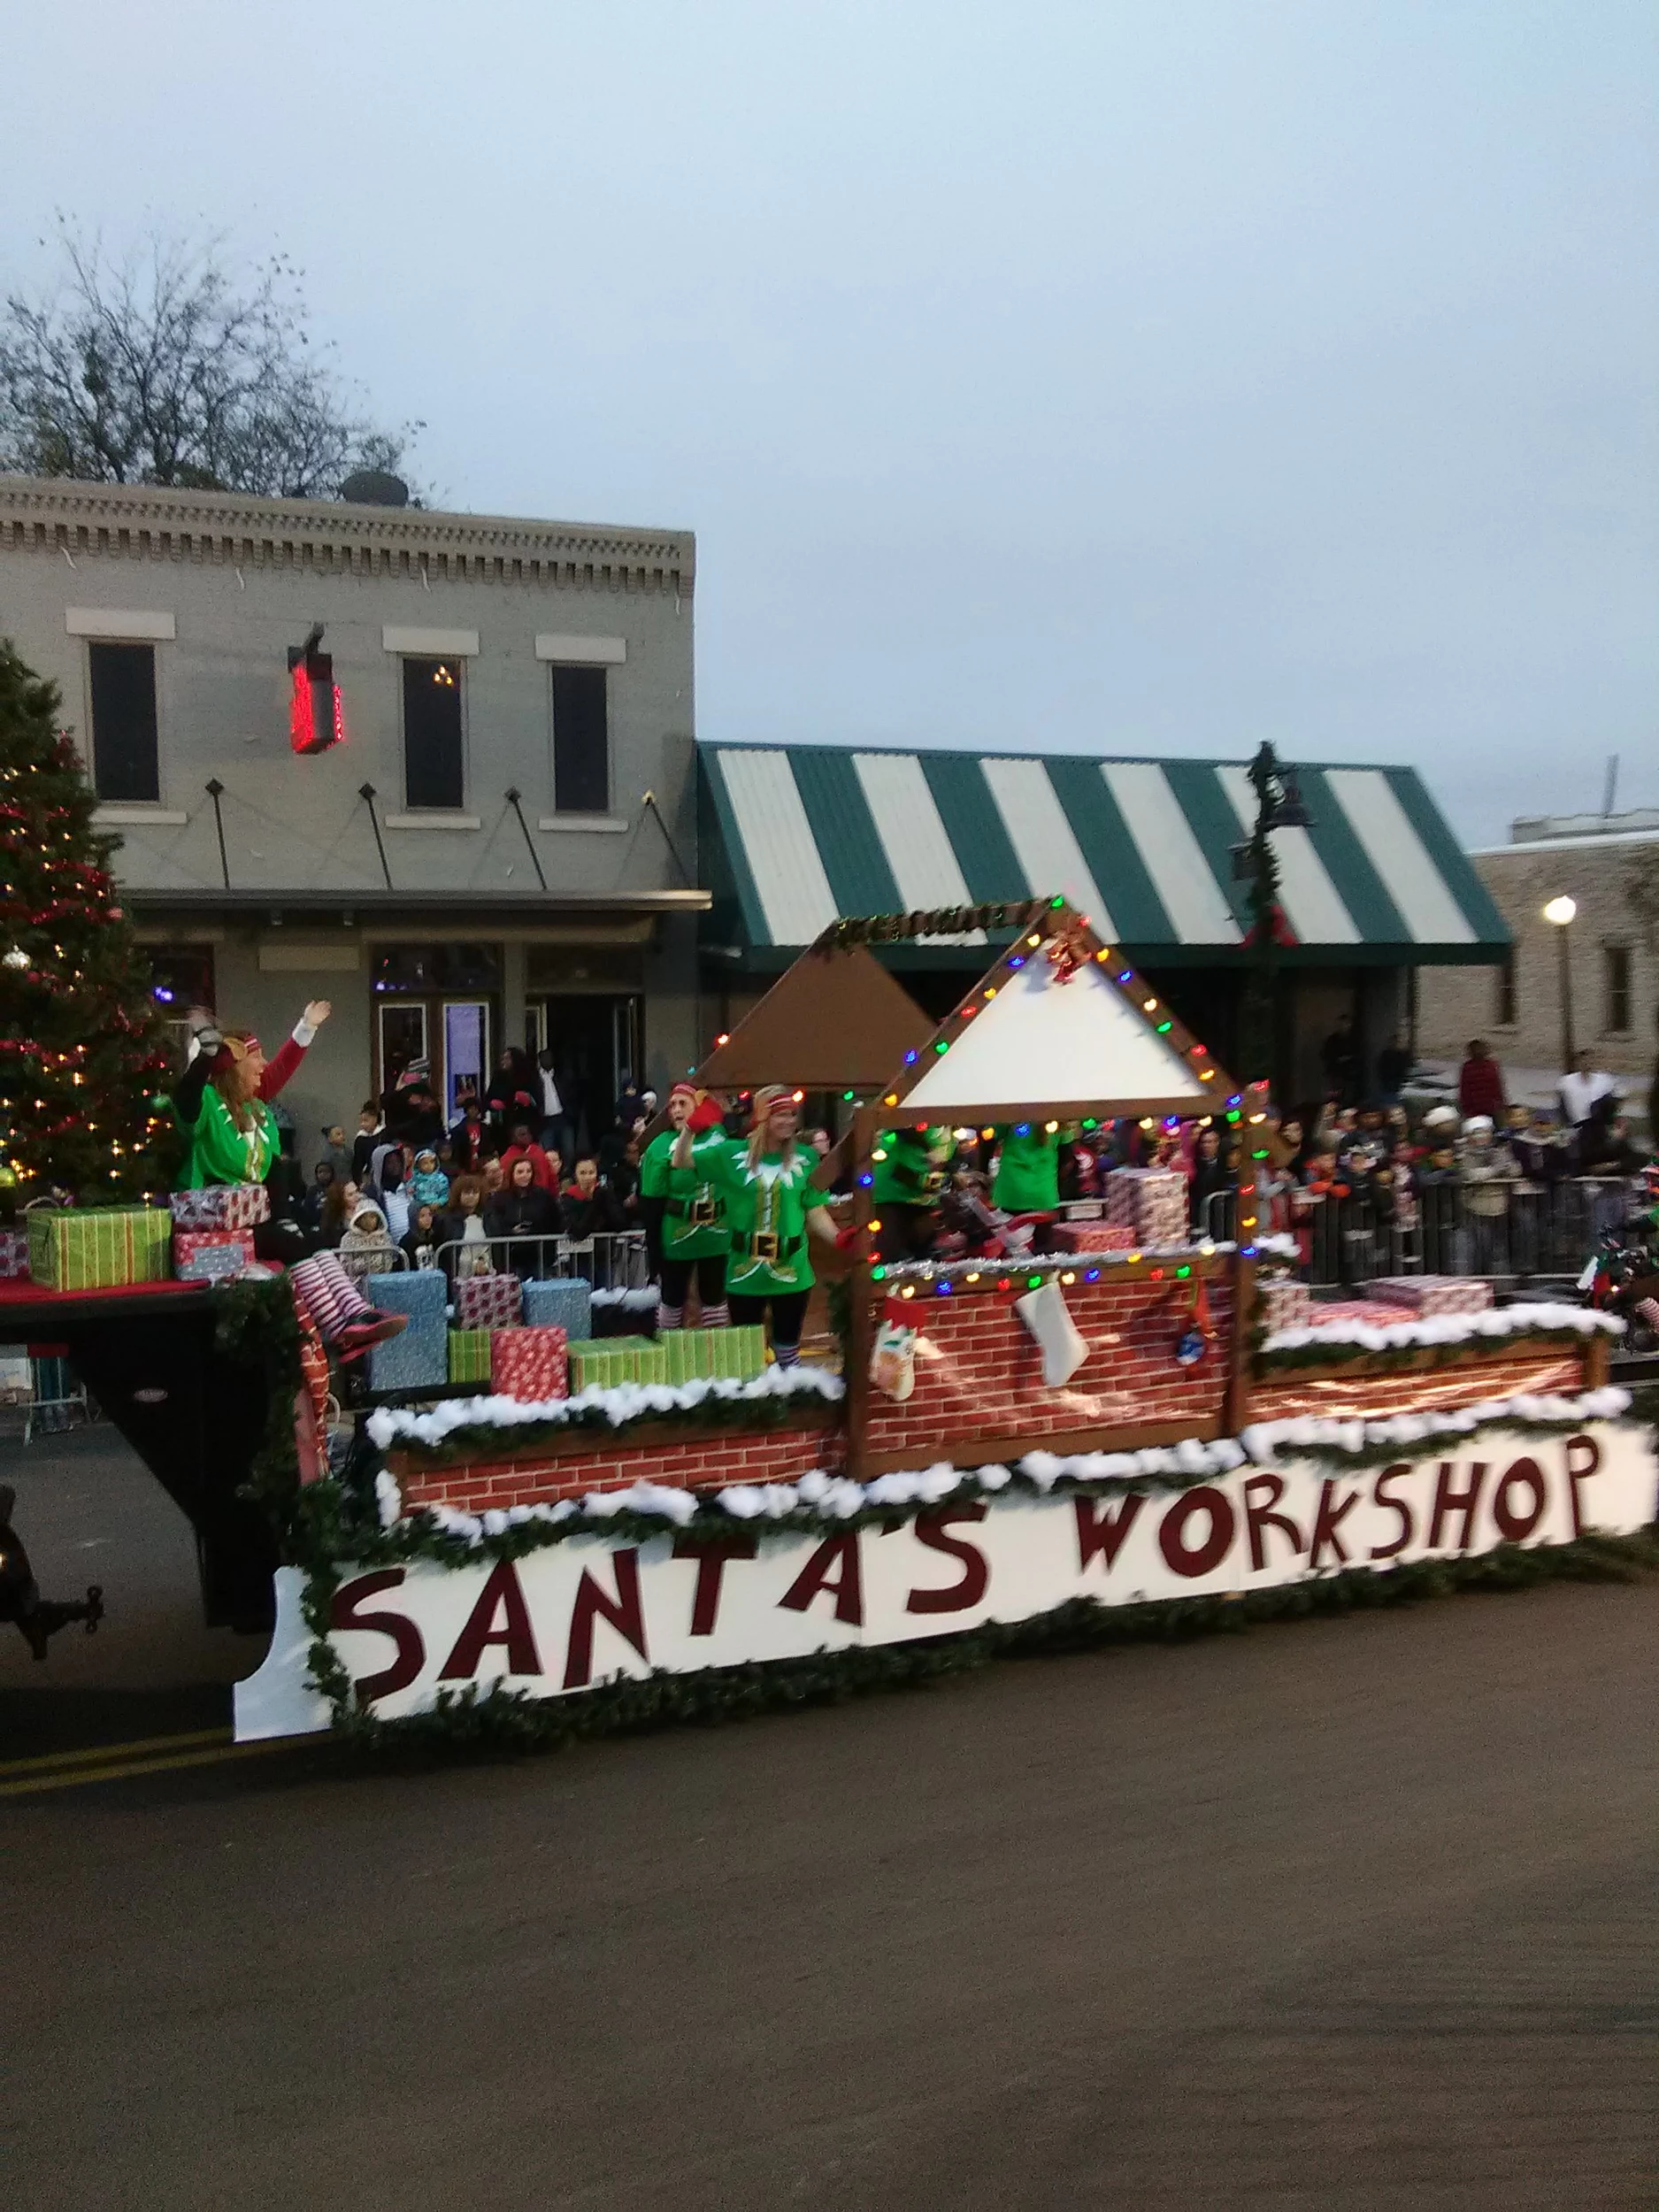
1148, 378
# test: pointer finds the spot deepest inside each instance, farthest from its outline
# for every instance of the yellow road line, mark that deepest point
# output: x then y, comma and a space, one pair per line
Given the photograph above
119, 1771
95, 1753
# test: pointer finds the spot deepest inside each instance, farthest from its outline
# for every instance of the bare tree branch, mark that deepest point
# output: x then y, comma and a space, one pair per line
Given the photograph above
166, 368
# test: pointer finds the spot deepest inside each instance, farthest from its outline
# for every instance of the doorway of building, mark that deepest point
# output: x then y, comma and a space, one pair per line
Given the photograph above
594, 1038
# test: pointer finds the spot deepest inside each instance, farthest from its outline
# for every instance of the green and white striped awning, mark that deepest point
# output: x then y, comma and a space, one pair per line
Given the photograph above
794, 836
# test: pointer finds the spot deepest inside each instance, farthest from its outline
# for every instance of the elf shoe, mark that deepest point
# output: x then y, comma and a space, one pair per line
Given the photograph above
356, 1336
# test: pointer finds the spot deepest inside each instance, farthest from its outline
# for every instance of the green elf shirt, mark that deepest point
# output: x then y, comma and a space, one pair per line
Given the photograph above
694, 1212
767, 1208
1028, 1172
221, 1153
913, 1173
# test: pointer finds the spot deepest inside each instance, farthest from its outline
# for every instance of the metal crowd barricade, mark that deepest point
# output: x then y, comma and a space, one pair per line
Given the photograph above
615, 1260
1502, 1229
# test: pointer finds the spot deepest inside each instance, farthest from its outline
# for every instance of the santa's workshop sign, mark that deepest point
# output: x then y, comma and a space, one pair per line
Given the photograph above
560, 1620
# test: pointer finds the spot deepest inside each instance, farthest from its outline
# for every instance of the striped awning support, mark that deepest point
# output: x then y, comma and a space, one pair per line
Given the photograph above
1142, 846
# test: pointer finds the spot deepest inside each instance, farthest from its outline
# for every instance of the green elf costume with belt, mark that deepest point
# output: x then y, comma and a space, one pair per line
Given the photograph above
769, 1195
687, 1211
908, 1176
236, 1143
1028, 1170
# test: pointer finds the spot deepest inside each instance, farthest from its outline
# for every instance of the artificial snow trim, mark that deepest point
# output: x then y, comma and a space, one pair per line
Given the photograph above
1262, 1440
388, 1499
616, 1407
630, 1301
1277, 1247
1439, 1329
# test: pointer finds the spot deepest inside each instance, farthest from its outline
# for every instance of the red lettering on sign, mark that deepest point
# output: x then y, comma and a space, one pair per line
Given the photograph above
1105, 1530
847, 1587
1194, 1560
501, 1595
625, 1613
346, 1611
711, 1558
1260, 1517
1381, 1495
1463, 1502
1327, 1523
1584, 1457
932, 1529
1515, 1524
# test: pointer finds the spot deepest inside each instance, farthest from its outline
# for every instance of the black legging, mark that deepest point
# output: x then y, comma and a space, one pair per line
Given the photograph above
675, 1279
789, 1313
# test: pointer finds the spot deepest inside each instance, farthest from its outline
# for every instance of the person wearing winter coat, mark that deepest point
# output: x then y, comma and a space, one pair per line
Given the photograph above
521, 1207
591, 1208
428, 1185
1486, 1171
366, 1248
544, 1166
514, 1095
1481, 1084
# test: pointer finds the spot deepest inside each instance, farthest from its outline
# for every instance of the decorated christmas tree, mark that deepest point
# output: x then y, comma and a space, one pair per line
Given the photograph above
81, 1052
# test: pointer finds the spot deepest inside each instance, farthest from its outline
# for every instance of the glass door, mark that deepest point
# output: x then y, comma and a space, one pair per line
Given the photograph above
465, 1052
403, 1038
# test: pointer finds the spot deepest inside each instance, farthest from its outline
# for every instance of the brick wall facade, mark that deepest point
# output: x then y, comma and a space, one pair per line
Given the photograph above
979, 1373
1340, 1394
725, 1456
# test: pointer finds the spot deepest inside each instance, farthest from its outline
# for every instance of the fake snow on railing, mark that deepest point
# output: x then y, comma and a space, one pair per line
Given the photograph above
621, 1404
1179, 1466
1263, 1440
1447, 1328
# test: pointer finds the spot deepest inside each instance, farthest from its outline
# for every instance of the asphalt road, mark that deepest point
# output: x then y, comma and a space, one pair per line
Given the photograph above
1342, 1915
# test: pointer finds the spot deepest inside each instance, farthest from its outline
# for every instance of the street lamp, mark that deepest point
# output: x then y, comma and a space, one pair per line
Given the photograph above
1559, 914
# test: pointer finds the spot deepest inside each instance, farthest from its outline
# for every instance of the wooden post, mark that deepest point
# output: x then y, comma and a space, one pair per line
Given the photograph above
861, 1300
1235, 1400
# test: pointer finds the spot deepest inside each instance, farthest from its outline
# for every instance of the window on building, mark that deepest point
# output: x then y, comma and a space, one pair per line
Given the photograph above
1616, 984
582, 741
1503, 992
125, 752
434, 767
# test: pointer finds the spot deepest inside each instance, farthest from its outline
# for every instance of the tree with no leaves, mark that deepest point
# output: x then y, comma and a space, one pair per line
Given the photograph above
167, 367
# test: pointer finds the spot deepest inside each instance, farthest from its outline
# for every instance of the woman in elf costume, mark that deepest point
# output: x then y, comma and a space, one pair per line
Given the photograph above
1028, 1170
909, 1172
687, 1213
222, 1103
772, 1212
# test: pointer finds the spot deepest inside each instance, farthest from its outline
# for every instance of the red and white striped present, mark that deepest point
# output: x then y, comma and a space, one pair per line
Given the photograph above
488, 1302
1432, 1294
1151, 1200
1283, 1303
530, 1364
202, 1256
221, 1206
1093, 1236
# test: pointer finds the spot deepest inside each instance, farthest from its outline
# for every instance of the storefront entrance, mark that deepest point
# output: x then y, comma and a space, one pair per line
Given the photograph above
440, 1004
595, 1040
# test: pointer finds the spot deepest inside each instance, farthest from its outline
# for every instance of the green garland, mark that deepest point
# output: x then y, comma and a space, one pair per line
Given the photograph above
941, 921
1344, 1352
499, 1722
255, 1326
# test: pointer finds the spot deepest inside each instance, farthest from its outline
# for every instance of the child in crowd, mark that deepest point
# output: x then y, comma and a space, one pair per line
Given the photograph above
370, 1135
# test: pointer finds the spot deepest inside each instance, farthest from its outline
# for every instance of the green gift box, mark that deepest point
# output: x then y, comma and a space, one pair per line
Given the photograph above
469, 1355
737, 1354
602, 1362
98, 1248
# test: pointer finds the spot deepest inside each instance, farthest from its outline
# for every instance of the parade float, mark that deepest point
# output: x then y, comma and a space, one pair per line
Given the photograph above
1130, 1431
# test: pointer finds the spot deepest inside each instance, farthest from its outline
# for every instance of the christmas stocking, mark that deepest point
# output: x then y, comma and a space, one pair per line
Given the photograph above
893, 1358
1197, 1337
1062, 1343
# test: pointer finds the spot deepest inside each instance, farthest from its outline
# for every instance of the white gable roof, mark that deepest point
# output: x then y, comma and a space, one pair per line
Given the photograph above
1041, 1041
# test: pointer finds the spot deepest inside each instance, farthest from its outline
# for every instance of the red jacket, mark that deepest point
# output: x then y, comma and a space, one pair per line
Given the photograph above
1480, 1088
539, 1162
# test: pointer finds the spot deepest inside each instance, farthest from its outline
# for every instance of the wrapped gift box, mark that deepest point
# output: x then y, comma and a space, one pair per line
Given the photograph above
562, 1302
1283, 1304
221, 1206
625, 1313
417, 1360
530, 1364
1432, 1294
604, 1362
469, 1355
98, 1248
689, 1354
14, 1255
488, 1302
1151, 1200
1372, 1312
420, 1291
202, 1256
1093, 1236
